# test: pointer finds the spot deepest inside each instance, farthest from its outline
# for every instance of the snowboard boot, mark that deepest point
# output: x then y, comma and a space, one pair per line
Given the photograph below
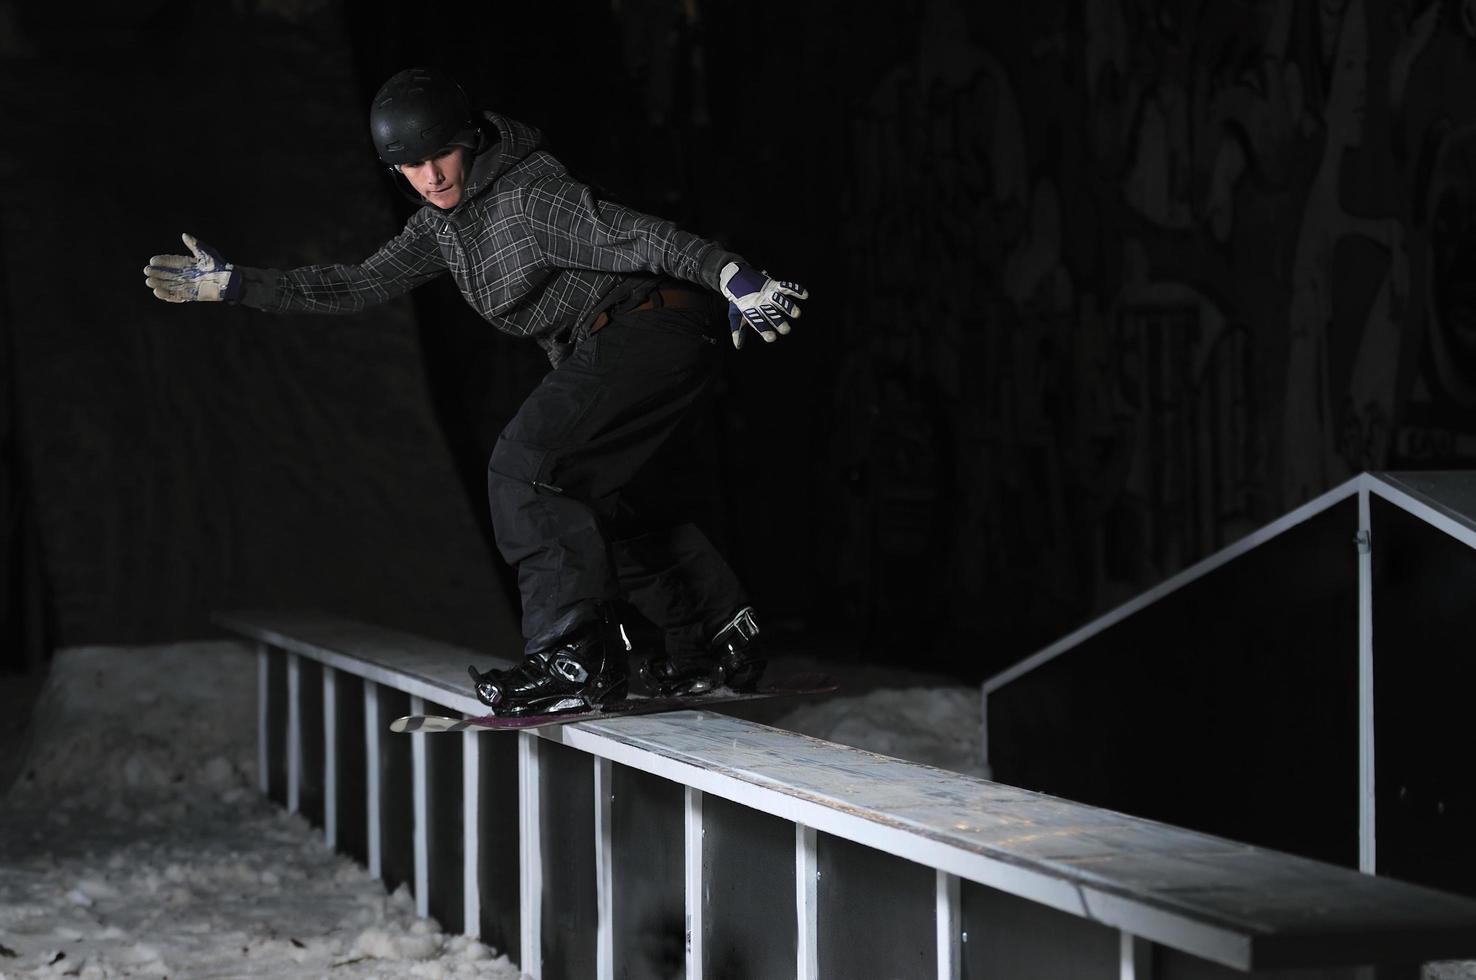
733, 659
584, 674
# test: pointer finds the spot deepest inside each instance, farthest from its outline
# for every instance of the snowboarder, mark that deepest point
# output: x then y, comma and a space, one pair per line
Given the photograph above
626, 307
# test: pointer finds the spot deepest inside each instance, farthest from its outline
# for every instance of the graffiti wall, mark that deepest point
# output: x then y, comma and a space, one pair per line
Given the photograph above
1139, 276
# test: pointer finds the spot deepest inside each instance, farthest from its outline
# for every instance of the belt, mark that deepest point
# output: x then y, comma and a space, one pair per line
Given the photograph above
676, 297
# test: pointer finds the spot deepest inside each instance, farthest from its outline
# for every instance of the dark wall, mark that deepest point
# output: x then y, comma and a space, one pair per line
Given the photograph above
177, 459
1098, 287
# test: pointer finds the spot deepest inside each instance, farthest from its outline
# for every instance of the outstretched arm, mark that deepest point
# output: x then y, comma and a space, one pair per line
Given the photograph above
401, 264
576, 230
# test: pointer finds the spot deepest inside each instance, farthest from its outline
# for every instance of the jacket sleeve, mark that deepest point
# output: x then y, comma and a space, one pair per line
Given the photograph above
576, 230
402, 263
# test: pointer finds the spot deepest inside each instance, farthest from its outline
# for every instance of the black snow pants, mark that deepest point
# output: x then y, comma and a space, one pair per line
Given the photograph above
583, 483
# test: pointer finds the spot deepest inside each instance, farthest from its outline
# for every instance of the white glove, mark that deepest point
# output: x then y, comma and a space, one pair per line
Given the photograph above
753, 298
200, 276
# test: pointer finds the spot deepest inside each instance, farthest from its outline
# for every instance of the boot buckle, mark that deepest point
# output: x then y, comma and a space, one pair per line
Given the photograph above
568, 668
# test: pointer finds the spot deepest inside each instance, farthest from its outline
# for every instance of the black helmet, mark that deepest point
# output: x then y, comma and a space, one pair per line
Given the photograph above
416, 113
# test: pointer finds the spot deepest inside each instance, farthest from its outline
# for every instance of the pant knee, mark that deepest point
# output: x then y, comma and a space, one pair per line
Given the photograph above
515, 464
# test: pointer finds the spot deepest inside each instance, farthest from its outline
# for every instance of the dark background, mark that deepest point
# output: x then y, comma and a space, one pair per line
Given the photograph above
1097, 289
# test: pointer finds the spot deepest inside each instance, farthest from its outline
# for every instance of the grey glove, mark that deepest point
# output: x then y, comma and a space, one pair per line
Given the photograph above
201, 276
764, 304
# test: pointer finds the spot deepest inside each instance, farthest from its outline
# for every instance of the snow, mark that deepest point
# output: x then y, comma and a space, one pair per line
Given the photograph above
136, 844
936, 726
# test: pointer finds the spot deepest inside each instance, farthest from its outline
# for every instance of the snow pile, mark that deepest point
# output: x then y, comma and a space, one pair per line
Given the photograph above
935, 726
135, 844
117, 722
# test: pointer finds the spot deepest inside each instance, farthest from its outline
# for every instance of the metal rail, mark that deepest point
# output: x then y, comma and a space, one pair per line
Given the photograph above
1418, 494
757, 852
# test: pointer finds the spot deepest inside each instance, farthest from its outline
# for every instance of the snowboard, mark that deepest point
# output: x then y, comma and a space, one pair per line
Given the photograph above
796, 685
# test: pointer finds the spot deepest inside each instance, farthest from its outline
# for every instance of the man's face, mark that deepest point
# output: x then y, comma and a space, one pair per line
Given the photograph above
441, 179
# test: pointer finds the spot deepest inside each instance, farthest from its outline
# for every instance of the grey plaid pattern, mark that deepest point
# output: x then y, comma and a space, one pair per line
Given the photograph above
533, 250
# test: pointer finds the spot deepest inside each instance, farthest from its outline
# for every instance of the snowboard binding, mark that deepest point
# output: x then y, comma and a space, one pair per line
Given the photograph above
585, 674
732, 660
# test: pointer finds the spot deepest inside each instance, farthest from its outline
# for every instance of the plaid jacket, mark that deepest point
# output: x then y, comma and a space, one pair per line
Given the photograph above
532, 250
